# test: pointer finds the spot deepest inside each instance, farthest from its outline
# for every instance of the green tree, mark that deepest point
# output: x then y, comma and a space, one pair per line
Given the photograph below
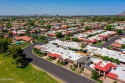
67, 38
59, 35
105, 58
31, 23
119, 31
48, 26
87, 28
90, 35
43, 37
70, 34
82, 22
34, 36
83, 45
115, 82
123, 46
4, 43
1, 34
15, 51
21, 62
95, 75
74, 39
109, 27
8, 25
116, 61
10, 34
17, 54
111, 59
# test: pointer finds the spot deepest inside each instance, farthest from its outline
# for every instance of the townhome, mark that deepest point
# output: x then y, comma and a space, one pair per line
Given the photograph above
106, 52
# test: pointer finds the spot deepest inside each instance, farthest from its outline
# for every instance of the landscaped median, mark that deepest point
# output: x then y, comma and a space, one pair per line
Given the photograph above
37, 52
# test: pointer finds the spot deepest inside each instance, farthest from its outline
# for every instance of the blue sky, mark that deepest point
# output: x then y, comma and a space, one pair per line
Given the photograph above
62, 7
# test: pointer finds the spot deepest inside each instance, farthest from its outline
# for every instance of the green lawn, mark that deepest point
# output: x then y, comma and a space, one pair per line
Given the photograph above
24, 45
97, 43
27, 75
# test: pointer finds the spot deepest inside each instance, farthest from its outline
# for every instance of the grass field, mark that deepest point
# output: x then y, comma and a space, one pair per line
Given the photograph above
17, 75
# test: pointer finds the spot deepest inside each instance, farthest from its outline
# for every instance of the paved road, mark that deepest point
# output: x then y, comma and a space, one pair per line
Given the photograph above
64, 74
109, 42
112, 40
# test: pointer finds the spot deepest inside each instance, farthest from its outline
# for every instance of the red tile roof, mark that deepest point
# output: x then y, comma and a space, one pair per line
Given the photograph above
101, 38
116, 44
54, 55
51, 34
112, 75
25, 38
105, 68
64, 26
92, 41
105, 36
82, 39
89, 31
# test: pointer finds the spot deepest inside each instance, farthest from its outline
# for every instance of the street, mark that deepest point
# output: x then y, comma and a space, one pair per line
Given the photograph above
59, 72
109, 42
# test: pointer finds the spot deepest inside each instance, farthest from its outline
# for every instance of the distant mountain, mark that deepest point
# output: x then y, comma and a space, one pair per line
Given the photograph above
123, 13
45, 14
39, 15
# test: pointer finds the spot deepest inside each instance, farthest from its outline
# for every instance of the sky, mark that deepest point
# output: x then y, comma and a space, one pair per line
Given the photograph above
62, 7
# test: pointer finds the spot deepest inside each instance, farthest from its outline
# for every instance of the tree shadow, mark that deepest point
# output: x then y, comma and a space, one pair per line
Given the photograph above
25, 62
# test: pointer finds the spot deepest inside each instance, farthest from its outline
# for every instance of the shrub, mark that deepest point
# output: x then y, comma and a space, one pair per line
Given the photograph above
73, 68
119, 31
67, 38
111, 59
115, 82
95, 75
74, 39
123, 46
90, 35
75, 65
83, 45
59, 35
87, 28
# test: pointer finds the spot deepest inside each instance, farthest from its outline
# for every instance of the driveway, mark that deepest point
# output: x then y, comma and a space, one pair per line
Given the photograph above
59, 72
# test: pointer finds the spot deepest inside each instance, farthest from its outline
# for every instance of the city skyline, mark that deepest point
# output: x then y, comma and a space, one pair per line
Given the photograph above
62, 7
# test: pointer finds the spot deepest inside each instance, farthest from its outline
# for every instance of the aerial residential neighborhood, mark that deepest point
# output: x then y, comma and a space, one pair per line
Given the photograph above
45, 42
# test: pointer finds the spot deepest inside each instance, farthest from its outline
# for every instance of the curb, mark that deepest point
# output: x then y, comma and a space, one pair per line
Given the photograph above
64, 68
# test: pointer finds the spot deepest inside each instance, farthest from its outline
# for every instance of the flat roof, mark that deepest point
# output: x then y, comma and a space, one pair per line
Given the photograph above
74, 45
65, 53
106, 52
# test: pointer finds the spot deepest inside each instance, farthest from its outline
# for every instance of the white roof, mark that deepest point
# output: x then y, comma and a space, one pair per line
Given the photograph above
88, 33
95, 60
120, 71
94, 32
63, 52
106, 52
92, 66
66, 44
122, 41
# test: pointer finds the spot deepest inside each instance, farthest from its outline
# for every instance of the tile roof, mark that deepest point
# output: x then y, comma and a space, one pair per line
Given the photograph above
25, 38
54, 55
116, 44
105, 67
112, 75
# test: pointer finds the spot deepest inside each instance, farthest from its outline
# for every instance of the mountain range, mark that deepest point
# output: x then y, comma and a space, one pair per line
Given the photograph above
123, 13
